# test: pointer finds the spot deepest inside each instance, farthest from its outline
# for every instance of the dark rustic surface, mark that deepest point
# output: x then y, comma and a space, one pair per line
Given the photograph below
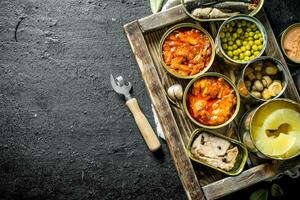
64, 134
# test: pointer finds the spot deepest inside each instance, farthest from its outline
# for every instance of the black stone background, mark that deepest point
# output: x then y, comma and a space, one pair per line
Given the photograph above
64, 133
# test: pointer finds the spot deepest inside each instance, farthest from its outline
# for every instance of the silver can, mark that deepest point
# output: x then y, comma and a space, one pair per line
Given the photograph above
219, 50
248, 96
246, 124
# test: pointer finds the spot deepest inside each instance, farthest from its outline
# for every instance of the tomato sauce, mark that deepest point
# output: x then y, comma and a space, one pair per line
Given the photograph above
187, 51
211, 101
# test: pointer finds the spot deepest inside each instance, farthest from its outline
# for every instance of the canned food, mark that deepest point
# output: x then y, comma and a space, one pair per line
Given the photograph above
248, 41
211, 100
219, 152
290, 43
189, 6
181, 53
262, 79
272, 130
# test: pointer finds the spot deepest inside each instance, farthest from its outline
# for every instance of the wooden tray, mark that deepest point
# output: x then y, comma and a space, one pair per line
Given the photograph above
198, 181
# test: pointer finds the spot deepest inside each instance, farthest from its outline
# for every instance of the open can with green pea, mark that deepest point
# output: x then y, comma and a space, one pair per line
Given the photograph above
240, 39
262, 79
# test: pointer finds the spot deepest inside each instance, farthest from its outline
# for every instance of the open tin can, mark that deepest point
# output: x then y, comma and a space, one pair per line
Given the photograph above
186, 5
246, 125
187, 90
240, 160
283, 36
246, 95
229, 62
192, 26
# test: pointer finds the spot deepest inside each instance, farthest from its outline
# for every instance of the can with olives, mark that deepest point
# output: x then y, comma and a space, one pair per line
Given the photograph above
262, 79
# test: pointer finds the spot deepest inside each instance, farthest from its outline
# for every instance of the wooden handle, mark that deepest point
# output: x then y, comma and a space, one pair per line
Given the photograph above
143, 124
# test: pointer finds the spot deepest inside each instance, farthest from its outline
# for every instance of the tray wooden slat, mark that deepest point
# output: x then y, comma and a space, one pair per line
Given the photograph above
161, 105
198, 181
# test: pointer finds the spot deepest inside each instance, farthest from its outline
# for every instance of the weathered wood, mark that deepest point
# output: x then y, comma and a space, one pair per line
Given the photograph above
162, 19
161, 105
232, 184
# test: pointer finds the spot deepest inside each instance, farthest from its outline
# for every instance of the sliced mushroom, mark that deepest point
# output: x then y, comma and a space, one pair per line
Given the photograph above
258, 85
275, 88
266, 80
256, 94
266, 94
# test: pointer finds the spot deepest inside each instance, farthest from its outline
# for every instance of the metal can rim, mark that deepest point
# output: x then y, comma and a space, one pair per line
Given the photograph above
259, 25
214, 74
282, 40
187, 25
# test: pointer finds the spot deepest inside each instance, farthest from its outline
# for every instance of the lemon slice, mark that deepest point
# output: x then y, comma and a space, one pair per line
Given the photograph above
276, 146
282, 116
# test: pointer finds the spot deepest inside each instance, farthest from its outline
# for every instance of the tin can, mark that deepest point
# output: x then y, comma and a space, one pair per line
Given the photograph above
283, 35
188, 12
241, 158
186, 25
247, 96
223, 56
187, 90
245, 134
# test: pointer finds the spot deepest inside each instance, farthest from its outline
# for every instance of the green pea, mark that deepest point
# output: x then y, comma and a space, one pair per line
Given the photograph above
235, 35
248, 47
234, 46
248, 53
229, 53
243, 49
246, 34
232, 23
229, 48
230, 29
251, 43
235, 52
250, 38
255, 47
235, 57
257, 42
238, 42
249, 24
224, 46
242, 56
249, 30
222, 34
256, 53
246, 58
260, 47
251, 34
224, 40
245, 43
244, 23
230, 42
252, 57
256, 36
227, 34
239, 24
239, 30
